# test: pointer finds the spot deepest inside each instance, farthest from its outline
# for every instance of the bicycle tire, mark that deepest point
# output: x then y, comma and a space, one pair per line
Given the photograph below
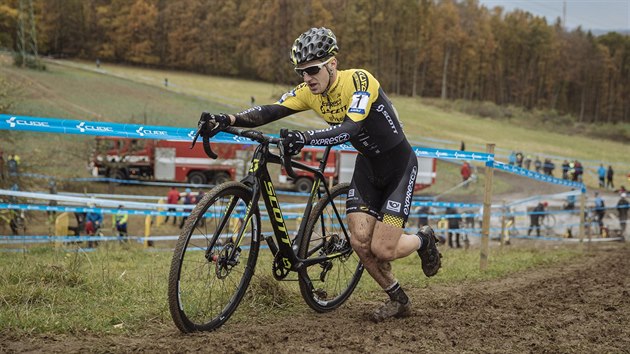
204, 289
328, 284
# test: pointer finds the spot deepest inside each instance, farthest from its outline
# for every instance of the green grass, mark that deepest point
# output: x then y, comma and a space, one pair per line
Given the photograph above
123, 289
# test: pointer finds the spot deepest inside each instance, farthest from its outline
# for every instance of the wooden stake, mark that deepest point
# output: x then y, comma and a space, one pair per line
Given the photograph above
487, 200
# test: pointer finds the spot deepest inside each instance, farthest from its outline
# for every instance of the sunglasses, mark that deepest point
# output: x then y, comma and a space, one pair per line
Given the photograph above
311, 70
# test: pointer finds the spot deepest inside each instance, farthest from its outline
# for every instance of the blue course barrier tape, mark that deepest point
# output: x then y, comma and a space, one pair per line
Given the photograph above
447, 154
138, 131
36, 207
537, 176
447, 204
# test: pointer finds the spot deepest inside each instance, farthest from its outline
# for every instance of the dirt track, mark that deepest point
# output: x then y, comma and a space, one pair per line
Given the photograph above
580, 307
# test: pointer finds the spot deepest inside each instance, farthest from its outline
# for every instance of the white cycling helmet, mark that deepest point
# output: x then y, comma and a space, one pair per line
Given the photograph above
316, 43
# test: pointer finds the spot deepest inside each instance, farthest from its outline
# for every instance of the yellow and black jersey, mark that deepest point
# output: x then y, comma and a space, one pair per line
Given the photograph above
355, 106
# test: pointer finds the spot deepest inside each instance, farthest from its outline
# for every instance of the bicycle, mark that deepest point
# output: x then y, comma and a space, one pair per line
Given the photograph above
202, 293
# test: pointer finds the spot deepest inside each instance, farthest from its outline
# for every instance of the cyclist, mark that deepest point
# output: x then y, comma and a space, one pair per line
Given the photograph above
358, 111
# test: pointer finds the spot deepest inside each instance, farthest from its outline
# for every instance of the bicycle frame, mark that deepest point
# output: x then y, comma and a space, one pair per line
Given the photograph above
259, 180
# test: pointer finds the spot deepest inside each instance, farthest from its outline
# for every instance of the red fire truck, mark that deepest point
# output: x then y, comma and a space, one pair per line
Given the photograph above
340, 167
168, 160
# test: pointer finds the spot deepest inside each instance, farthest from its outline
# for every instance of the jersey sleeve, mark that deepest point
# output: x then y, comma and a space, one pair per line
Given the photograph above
364, 91
334, 135
261, 115
296, 99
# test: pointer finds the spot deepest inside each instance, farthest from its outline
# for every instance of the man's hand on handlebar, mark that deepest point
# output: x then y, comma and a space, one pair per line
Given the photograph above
213, 123
293, 141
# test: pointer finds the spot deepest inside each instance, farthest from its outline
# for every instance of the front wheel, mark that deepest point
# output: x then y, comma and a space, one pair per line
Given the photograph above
328, 284
211, 270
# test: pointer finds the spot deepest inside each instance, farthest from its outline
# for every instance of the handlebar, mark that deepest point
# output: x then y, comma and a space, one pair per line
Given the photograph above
254, 135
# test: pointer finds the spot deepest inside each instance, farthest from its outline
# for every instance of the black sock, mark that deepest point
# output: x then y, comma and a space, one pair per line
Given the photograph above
397, 294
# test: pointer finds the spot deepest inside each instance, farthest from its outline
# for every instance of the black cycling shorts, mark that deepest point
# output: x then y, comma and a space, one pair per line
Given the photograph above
383, 186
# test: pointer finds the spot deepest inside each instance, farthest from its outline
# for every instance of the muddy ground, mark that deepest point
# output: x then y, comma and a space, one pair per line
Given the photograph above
581, 307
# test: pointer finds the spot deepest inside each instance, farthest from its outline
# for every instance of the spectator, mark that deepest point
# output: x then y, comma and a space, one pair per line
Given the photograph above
80, 217
528, 161
462, 146
609, 178
200, 195
165, 82
548, 167
565, 169
453, 224
512, 158
578, 171
600, 211
120, 222
189, 199
537, 164
622, 209
601, 173
253, 101
98, 63
12, 166
572, 176
465, 172
536, 217
93, 221
172, 198
519, 159
423, 217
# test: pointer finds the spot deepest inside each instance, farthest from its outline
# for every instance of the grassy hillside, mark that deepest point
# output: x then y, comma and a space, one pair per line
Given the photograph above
420, 120
78, 90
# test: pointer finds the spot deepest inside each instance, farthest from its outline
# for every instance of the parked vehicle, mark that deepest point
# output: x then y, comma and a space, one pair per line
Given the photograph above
168, 160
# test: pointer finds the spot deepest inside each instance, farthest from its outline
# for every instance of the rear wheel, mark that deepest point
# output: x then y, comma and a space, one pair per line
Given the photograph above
197, 177
119, 174
328, 284
303, 185
221, 177
209, 271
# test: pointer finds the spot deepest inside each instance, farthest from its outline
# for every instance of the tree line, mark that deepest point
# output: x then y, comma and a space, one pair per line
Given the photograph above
431, 48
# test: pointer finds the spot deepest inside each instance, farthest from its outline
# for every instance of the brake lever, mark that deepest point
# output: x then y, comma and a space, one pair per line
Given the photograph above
195, 138
205, 140
286, 158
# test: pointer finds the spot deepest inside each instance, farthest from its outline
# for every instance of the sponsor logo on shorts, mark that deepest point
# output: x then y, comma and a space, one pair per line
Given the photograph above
393, 206
351, 193
409, 193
